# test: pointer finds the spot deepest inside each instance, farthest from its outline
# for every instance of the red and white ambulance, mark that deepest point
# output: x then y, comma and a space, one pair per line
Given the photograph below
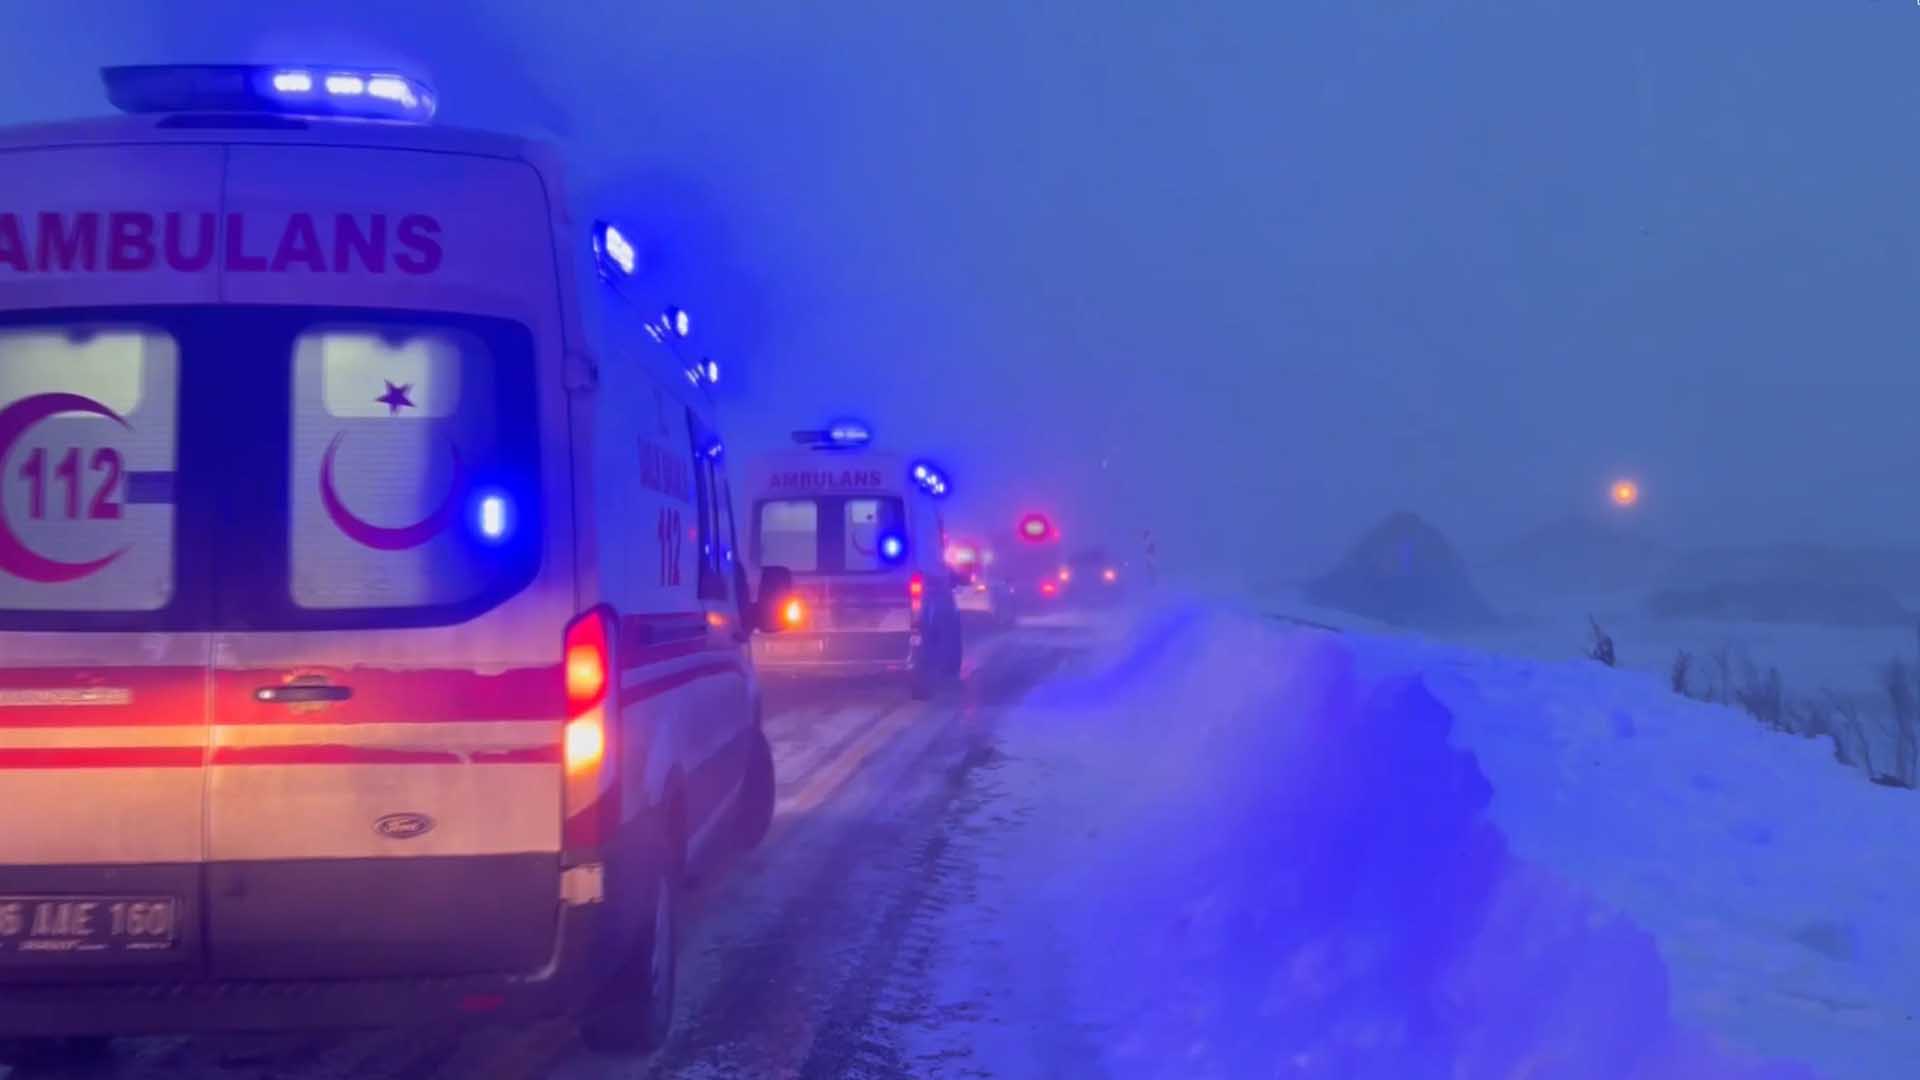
861, 535
373, 645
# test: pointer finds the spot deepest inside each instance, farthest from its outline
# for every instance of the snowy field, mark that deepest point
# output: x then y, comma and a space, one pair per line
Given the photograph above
1227, 847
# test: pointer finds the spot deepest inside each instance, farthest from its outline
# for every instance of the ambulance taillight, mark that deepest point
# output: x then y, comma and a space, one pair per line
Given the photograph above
916, 591
587, 659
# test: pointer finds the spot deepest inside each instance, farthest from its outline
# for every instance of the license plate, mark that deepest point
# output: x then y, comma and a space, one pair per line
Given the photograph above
804, 649
86, 924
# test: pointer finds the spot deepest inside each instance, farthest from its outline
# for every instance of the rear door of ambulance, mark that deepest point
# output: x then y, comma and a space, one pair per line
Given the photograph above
104, 589
826, 520
284, 561
383, 785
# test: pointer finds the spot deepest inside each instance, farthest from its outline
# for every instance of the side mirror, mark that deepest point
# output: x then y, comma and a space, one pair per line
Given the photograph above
776, 587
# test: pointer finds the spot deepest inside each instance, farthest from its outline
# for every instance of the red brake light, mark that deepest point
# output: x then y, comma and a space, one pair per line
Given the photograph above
590, 798
916, 586
793, 612
588, 657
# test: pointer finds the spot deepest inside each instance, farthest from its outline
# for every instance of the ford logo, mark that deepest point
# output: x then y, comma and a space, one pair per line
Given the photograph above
403, 826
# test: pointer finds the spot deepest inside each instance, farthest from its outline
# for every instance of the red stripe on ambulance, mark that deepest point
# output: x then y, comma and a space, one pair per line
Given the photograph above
101, 757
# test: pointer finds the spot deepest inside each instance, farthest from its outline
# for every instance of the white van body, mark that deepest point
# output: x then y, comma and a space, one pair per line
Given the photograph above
824, 514
319, 441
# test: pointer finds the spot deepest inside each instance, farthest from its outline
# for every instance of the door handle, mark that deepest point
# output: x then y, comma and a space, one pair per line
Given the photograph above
301, 693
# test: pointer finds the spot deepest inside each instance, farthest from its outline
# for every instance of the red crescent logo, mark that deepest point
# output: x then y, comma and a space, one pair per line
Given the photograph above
15, 557
378, 537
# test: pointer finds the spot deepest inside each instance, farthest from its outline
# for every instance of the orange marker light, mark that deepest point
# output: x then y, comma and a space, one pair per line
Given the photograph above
793, 612
1066, 574
1625, 493
1110, 575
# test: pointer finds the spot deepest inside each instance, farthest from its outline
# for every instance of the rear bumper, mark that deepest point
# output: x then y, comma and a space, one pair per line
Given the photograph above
169, 1007
845, 653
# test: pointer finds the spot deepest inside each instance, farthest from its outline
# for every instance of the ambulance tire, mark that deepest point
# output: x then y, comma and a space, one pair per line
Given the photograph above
938, 663
755, 805
956, 652
920, 681
631, 1014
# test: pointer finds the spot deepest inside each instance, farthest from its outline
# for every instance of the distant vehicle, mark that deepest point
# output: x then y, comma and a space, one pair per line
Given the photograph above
978, 589
1089, 577
372, 640
865, 546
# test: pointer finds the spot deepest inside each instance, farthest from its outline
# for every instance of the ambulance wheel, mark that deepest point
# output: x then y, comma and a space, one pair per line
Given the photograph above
928, 667
631, 1014
756, 794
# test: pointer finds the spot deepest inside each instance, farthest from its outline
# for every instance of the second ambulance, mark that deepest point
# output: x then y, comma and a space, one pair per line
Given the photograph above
860, 535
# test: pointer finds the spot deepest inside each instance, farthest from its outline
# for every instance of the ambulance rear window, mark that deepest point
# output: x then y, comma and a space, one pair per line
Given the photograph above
87, 417
827, 534
790, 534
263, 468
386, 423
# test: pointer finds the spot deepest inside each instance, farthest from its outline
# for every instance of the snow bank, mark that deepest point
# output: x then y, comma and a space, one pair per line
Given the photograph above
1779, 884
1242, 859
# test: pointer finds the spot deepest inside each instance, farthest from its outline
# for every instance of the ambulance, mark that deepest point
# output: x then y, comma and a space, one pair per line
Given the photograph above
374, 646
859, 534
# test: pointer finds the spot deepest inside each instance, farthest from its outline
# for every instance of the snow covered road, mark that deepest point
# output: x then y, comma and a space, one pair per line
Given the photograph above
787, 953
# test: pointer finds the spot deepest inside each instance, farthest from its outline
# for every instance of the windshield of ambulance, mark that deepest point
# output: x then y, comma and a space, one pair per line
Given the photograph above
830, 534
261, 468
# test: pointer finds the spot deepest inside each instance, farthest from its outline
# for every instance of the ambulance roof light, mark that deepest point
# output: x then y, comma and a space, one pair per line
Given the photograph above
838, 435
292, 89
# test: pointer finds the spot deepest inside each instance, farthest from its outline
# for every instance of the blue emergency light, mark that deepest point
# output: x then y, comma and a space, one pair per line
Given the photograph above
893, 547
286, 89
493, 516
613, 251
930, 478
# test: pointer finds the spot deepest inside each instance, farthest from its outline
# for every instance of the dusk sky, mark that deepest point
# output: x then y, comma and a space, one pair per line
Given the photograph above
1251, 274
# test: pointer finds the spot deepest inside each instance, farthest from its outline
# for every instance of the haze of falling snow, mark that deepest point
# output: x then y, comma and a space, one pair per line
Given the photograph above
1251, 275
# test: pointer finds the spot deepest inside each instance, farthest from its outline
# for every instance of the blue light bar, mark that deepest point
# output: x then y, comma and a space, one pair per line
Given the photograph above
614, 252
677, 321
710, 368
286, 89
849, 433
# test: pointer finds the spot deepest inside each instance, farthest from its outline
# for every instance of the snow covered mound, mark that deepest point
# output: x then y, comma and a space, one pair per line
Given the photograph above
1403, 571
1240, 858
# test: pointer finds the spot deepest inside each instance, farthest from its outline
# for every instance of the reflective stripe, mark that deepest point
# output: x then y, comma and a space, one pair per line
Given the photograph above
98, 695
104, 735
648, 688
